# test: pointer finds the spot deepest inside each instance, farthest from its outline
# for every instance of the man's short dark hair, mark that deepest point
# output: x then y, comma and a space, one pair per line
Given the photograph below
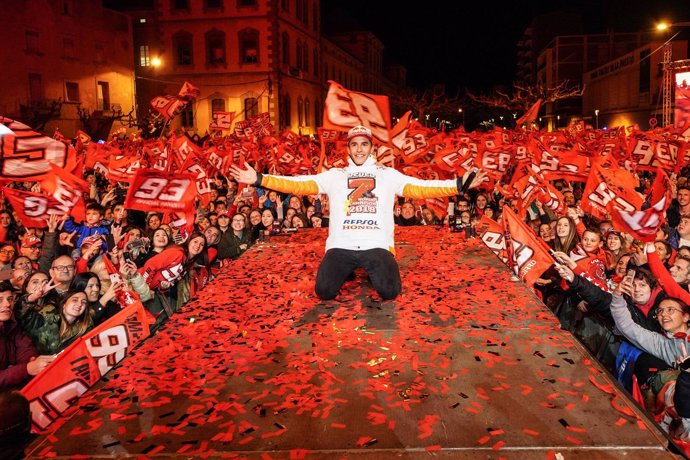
94, 206
6, 286
683, 187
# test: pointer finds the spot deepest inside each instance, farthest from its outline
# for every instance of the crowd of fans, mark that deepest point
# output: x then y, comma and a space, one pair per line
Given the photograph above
627, 302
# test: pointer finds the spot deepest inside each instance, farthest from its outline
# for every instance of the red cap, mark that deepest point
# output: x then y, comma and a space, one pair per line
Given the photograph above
31, 241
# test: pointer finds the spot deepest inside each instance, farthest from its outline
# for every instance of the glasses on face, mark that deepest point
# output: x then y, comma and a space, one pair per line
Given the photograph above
667, 311
63, 268
6, 251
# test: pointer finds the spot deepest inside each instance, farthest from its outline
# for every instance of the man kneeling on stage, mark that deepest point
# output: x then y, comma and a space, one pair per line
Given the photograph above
362, 197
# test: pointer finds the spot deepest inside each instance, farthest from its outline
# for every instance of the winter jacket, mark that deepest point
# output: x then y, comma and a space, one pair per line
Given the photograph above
658, 344
229, 245
84, 231
42, 325
597, 299
16, 350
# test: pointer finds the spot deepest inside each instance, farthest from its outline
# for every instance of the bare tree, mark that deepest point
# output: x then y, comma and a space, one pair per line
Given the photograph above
98, 124
524, 96
430, 100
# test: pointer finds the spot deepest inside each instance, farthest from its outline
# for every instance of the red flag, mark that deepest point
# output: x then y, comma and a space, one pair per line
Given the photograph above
643, 225
168, 106
345, 109
610, 188
492, 235
68, 190
152, 189
530, 255
27, 155
188, 91
529, 116
221, 120
34, 209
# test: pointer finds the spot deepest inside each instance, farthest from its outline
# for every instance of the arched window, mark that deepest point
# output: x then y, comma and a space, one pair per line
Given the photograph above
315, 17
285, 111
217, 104
249, 45
215, 47
307, 112
286, 48
316, 62
298, 52
300, 112
182, 44
305, 57
318, 105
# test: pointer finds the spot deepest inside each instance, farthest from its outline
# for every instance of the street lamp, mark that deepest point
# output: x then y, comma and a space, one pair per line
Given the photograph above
156, 61
558, 121
463, 117
596, 116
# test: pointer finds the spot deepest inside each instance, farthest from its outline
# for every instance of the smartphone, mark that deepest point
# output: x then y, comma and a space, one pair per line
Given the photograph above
630, 274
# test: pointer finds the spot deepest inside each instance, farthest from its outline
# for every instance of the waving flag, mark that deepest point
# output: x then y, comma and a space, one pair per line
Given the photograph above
346, 109
34, 209
27, 155
643, 225
529, 254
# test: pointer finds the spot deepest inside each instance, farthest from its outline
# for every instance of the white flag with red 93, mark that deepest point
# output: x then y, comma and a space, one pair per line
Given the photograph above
345, 109
153, 190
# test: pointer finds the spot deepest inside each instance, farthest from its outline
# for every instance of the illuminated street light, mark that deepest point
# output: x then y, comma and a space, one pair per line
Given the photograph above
596, 115
156, 61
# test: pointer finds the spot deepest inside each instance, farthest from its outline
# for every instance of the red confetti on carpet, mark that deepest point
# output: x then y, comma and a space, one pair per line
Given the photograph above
258, 367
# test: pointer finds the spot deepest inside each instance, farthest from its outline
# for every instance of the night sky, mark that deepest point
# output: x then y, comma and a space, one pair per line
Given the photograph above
473, 44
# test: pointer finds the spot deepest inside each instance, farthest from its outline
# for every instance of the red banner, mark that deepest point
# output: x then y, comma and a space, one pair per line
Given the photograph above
643, 225
34, 209
168, 106
345, 109
608, 189
83, 363
530, 255
221, 120
158, 190
68, 189
27, 155
492, 235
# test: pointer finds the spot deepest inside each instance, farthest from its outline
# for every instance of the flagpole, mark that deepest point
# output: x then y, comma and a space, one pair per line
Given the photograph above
165, 125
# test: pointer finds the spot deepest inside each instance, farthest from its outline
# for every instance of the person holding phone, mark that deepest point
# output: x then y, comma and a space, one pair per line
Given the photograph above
361, 225
670, 346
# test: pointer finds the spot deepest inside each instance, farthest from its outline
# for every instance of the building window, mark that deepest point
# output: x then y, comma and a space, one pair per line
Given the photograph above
35, 87
285, 5
217, 105
307, 112
187, 116
71, 91
285, 111
182, 44
286, 48
68, 49
214, 4
298, 52
251, 108
241, 3
180, 4
144, 56
66, 7
249, 46
316, 63
305, 57
103, 101
215, 47
100, 53
300, 112
32, 39
300, 10
317, 113
315, 17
